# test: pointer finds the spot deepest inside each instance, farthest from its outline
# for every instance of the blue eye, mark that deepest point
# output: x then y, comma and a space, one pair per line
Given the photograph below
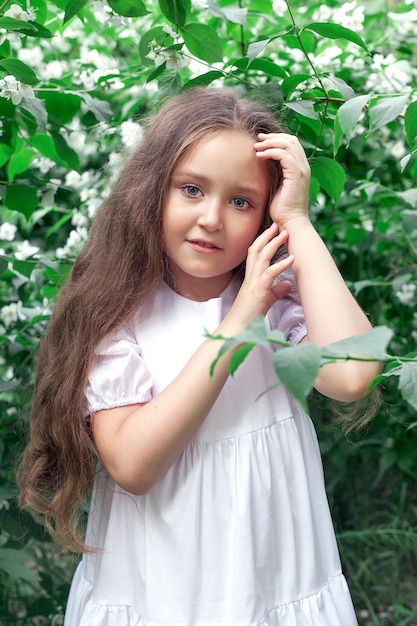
192, 190
240, 203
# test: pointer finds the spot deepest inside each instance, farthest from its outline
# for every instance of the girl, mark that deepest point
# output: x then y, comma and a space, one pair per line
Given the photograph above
209, 507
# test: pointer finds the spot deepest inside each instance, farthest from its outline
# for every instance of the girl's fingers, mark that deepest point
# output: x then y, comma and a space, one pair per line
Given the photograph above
278, 146
269, 239
261, 253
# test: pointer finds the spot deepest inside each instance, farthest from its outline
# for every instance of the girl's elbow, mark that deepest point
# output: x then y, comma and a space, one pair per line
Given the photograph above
347, 382
137, 481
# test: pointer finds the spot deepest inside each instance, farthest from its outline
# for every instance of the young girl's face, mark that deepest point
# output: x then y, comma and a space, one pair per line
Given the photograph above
213, 211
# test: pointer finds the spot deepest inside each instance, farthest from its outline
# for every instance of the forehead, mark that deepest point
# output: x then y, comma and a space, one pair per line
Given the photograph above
225, 155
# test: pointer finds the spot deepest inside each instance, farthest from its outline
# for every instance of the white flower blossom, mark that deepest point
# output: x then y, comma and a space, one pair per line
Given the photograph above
14, 90
53, 69
169, 31
175, 60
348, 15
7, 231
9, 89
130, 133
48, 197
43, 164
17, 13
34, 56
92, 205
156, 53
406, 295
75, 241
25, 250
404, 23
389, 75
12, 313
279, 7
78, 219
102, 11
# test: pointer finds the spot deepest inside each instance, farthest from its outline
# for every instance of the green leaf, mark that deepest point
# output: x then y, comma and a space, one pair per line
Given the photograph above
204, 79
21, 198
67, 154
19, 70
5, 152
348, 116
160, 69
239, 356
170, 83
15, 564
72, 7
4, 264
62, 106
256, 48
341, 86
36, 108
304, 108
268, 67
408, 383
99, 108
19, 162
55, 227
128, 8
175, 10
297, 368
203, 42
372, 344
231, 13
24, 267
32, 29
40, 30
255, 334
330, 175
335, 31
411, 123
46, 146
386, 109
10, 24
289, 84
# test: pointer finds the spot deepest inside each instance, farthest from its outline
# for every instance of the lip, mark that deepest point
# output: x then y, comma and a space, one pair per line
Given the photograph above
207, 247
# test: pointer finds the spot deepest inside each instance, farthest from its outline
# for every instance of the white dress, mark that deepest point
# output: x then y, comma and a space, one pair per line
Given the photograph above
238, 531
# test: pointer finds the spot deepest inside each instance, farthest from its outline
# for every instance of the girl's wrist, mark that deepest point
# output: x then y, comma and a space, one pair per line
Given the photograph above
296, 224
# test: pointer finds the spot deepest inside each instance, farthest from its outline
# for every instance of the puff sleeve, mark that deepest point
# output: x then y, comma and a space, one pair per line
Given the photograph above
119, 375
287, 316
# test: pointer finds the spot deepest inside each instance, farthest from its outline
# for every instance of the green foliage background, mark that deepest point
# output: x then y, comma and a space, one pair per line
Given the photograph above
76, 79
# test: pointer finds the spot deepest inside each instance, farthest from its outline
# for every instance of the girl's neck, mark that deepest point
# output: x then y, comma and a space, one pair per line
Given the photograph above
199, 290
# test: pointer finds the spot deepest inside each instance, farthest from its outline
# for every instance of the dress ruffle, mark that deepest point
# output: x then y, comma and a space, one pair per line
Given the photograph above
330, 606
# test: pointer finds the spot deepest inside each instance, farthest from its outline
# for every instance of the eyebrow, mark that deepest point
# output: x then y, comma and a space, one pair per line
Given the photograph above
242, 188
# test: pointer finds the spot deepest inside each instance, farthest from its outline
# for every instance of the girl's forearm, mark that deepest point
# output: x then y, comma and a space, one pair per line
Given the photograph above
330, 310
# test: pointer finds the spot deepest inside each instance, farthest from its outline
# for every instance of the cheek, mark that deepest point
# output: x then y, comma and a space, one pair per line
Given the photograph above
244, 237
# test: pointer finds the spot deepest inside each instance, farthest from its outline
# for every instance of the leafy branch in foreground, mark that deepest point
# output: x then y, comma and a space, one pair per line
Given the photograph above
297, 366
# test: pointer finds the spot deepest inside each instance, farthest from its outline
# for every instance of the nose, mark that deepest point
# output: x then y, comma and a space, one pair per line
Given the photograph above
211, 216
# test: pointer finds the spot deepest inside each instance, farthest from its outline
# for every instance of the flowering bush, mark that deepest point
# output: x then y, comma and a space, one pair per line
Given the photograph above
76, 79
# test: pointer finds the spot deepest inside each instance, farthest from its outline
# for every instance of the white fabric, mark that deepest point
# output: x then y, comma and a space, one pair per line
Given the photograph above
238, 531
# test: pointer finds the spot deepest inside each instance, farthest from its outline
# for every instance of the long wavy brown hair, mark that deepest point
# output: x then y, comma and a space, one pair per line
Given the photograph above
117, 271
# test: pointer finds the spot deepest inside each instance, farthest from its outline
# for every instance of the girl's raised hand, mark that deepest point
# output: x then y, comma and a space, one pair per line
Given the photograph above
291, 198
260, 289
